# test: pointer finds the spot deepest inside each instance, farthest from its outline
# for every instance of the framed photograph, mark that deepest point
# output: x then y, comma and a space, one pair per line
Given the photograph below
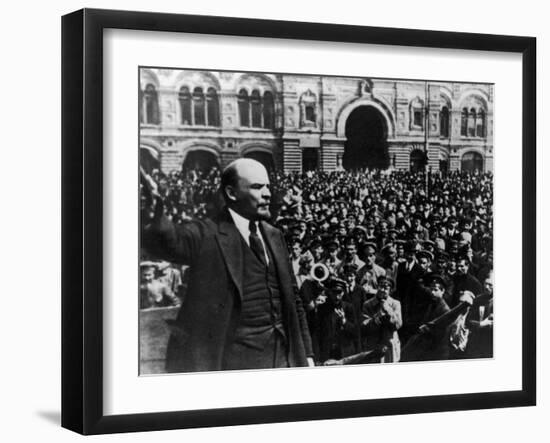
270, 221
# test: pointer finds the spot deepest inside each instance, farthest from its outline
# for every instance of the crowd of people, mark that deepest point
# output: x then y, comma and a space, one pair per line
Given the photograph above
389, 265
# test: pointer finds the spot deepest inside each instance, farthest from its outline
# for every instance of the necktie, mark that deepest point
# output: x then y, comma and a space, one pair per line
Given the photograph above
256, 244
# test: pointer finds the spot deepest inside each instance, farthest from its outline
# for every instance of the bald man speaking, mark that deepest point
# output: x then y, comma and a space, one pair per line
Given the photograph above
242, 309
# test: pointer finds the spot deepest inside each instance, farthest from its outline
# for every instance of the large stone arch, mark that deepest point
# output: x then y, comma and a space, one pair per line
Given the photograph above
474, 152
147, 76
260, 151
201, 155
149, 155
192, 79
475, 93
254, 81
347, 109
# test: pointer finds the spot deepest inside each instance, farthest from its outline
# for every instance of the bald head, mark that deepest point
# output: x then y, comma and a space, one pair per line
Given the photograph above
245, 188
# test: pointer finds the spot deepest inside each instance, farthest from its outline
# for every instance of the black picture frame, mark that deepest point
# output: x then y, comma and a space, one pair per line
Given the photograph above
82, 219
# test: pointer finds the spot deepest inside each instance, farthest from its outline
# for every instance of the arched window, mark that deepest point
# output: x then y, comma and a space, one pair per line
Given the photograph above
310, 113
472, 123
185, 106
213, 110
464, 122
150, 99
198, 106
308, 105
256, 107
444, 122
480, 124
244, 107
417, 114
269, 110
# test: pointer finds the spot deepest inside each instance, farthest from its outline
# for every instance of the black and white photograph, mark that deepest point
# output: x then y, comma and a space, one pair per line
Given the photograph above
308, 220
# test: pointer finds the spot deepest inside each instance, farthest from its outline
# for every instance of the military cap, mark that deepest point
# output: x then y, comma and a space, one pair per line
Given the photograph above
370, 244
148, 264
435, 278
426, 254
442, 255
385, 279
337, 284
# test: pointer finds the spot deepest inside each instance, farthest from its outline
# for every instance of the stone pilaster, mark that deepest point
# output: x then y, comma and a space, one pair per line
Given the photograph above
292, 156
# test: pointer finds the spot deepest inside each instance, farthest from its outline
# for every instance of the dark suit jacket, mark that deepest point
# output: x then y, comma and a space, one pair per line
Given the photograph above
207, 320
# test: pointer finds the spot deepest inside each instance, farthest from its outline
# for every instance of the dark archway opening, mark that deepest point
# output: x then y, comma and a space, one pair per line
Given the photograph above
310, 159
472, 161
199, 160
366, 145
417, 161
265, 158
148, 159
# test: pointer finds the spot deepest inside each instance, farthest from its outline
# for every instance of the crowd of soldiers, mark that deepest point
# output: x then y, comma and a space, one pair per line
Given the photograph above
389, 265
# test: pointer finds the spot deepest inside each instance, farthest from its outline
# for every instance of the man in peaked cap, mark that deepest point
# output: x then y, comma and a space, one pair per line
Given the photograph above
370, 273
337, 328
381, 321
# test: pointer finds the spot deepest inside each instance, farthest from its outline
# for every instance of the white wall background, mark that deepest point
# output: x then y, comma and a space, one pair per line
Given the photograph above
31, 234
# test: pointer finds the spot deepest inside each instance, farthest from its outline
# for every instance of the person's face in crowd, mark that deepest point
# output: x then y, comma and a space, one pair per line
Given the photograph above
251, 195
384, 228
412, 209
416, 223
333, 252
384, 290
350, 278
442, 231
424, 263
462, 267
351, 251
410, 255
147, 275
338, 296
451, 267
442, 264
436, 290
296, 250
318, 252
370, 255
488, 285
342, 230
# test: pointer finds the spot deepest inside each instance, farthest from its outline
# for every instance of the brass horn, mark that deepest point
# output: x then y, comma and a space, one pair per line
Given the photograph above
319, 272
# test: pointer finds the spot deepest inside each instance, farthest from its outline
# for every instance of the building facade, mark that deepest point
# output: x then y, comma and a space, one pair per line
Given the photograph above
293, 122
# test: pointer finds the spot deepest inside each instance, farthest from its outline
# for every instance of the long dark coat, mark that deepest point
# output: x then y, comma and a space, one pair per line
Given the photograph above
210, 314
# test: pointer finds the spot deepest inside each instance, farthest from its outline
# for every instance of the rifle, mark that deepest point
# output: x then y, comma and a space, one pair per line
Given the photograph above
355, 359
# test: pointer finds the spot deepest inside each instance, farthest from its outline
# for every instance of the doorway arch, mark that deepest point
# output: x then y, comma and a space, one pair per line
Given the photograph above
264, 157
417, 160
366, 144
471, 161
200, 159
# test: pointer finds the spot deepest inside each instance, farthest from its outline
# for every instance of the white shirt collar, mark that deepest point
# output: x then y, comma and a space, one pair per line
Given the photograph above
242, 225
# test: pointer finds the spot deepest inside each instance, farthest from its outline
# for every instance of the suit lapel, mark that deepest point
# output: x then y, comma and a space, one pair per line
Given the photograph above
229, 240
278, 252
